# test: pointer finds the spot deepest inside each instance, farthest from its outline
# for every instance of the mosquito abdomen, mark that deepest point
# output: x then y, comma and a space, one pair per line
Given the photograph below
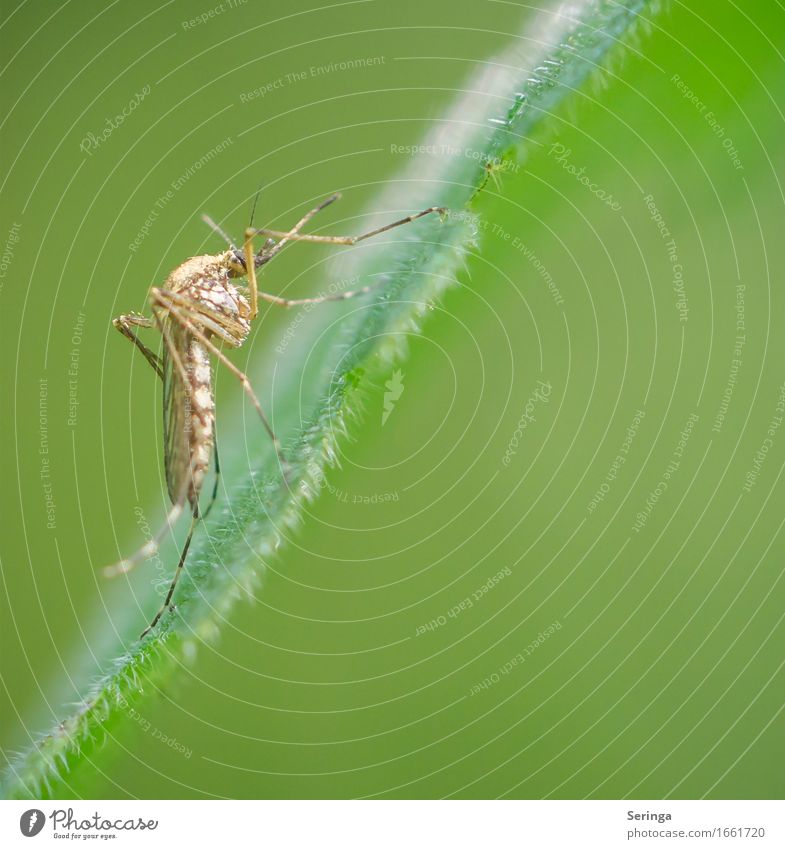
189, 417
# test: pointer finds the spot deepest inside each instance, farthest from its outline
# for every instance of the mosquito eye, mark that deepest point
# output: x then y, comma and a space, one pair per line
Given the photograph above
239, 258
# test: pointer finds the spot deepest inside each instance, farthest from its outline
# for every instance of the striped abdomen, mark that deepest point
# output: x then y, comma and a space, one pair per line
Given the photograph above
189, 416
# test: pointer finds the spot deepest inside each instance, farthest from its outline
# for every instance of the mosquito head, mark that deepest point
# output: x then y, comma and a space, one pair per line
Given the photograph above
235, 259
236, 263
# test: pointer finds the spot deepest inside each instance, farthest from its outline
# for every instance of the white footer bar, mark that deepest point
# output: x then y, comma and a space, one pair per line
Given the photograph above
396, 824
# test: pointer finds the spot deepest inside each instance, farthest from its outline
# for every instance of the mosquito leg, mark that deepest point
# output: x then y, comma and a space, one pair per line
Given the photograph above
165, 301
346, 240
250, 257
342, 240
214, 494
124, 323
151, 546
290, 234
171, 347
170, 593
298, 302
218, 229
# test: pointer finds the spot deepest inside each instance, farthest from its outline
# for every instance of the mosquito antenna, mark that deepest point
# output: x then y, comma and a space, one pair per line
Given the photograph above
217, 229
253, 208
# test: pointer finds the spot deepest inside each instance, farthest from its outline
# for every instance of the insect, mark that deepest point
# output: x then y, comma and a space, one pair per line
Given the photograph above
199, 309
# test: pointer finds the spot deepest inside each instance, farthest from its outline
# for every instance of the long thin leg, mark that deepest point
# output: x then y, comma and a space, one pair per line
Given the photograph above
250, 257
218, 229
214, 494
124, 323
295, 235
347, 240
298, 302
288, 235
168, 301
151, 546
170, 346
165, 606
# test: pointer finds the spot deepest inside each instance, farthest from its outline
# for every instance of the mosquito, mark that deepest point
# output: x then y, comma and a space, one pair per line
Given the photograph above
197, 311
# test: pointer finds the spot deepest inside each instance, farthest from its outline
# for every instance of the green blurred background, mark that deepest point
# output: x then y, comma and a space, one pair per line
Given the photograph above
609, 660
